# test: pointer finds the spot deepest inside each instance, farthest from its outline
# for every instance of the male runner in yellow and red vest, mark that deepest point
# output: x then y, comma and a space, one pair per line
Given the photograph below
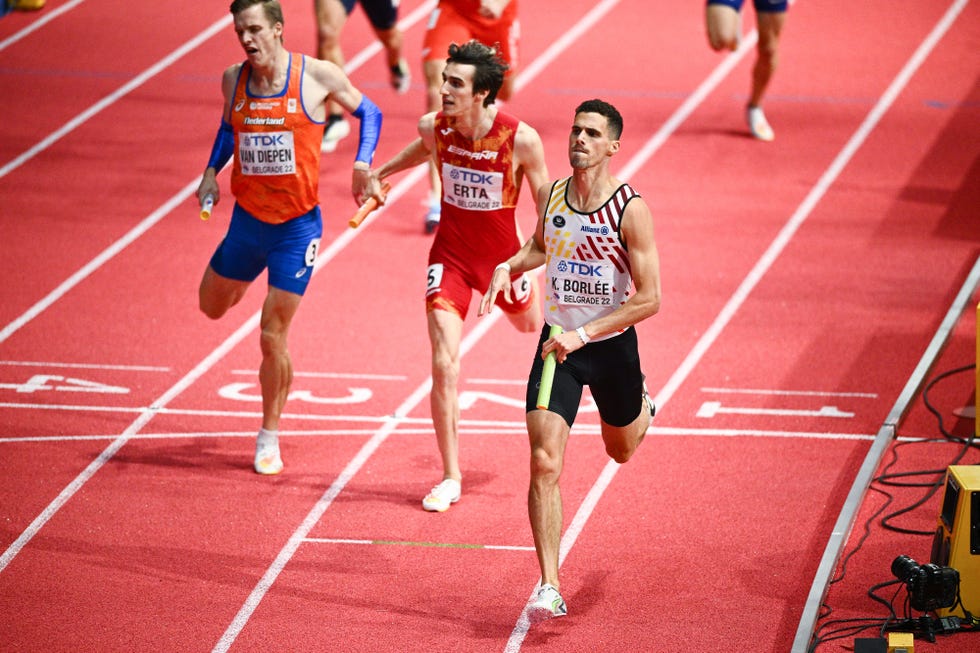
595, 237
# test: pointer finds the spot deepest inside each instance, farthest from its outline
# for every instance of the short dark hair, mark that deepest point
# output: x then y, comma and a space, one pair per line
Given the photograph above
490, 68
273, 10
613, 118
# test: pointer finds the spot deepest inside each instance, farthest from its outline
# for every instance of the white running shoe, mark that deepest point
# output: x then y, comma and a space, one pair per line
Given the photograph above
401, 77
442, 496
337, 128
758, 124
548, 603
432, 218
267, 458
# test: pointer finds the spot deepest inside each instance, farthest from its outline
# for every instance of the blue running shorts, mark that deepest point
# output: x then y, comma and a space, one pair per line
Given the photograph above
288, 249
761, 6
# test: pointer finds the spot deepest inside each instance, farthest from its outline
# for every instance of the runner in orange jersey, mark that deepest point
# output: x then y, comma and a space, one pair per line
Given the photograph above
275, 110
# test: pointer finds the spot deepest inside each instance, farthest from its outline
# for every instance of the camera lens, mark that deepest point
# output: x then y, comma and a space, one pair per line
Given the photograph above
905, 568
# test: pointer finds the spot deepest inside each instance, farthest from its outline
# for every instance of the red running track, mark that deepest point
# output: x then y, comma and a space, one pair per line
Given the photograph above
802, 280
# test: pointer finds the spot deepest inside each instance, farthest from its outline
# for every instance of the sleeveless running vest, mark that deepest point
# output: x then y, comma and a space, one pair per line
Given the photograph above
276, 172
479, 196
588, 270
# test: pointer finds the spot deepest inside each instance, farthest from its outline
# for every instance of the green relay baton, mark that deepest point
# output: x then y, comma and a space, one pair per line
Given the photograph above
548, 373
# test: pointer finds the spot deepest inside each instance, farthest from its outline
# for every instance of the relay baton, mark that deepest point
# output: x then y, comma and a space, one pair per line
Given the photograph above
206, 205
366, 208
548, 372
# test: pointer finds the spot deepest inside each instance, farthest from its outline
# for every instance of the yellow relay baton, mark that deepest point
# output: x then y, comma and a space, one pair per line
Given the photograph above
548, 372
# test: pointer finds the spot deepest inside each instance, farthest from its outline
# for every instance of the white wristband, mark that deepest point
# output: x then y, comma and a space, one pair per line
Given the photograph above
503, 266
583, 335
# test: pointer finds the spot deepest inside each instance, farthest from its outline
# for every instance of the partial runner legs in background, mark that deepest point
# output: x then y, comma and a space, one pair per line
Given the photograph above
723, 20
331, 16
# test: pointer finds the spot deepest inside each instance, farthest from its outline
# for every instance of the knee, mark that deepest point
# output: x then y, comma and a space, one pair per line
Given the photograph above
211, 308
530, 325
768, 51
445, 370
621, 444
328, 29
212, 312
329, 37
506, 90
620, 453
434, 96
719, 43
545, 467
272, 342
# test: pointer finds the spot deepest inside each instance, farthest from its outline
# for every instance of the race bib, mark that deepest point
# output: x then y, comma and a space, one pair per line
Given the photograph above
433, 278
473, 190
267, 153
311, 251
583, 283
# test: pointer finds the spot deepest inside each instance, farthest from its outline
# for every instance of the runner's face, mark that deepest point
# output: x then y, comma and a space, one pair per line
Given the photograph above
457, 89
588, 142
258, 37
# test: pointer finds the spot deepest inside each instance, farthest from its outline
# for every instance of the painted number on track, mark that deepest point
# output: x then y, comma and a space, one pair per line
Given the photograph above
46, 382
251, 392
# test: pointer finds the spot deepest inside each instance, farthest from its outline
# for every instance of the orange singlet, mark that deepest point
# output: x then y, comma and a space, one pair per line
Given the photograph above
277, 149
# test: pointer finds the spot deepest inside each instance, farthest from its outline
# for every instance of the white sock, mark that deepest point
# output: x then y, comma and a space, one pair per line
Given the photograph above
267, 438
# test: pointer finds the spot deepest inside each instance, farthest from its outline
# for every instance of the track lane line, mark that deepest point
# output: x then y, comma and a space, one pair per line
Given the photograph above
438, 545
862, 481
39, 23
301, 534
92, 266
113, 97
495, 428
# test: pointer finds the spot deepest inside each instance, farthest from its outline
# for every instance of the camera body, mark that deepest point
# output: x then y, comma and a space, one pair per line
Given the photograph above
930, 586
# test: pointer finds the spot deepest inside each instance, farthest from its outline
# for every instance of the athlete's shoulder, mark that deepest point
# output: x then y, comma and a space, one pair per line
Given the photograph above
429, 122
630, 203
318, 68
506, 119
553, 192
623, 189
524, 131
234, 70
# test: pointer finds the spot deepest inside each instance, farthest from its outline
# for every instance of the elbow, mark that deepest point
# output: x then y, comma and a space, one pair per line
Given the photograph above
651, 307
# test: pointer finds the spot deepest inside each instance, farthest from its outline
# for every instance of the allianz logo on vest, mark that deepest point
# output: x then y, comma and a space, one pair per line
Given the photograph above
589, 229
